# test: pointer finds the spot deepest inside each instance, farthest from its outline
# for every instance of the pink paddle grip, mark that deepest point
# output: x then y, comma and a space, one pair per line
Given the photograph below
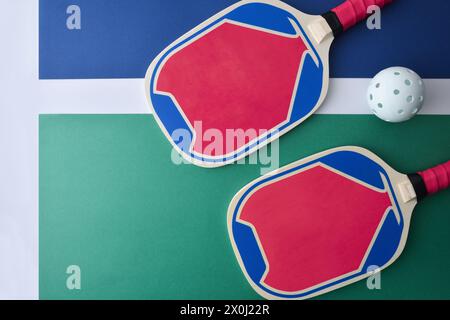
353, 11
437, 178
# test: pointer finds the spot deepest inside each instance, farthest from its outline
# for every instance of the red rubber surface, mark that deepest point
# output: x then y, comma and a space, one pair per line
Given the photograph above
233, 77
314, 226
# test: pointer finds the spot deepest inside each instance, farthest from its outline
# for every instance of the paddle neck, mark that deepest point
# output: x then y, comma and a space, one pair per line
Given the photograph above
350, 13
431, 181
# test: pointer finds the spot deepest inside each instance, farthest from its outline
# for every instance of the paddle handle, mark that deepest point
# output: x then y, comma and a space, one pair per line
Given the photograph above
436, 178
351, 12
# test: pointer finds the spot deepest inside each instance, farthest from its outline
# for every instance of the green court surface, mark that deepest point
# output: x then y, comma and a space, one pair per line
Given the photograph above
141, 227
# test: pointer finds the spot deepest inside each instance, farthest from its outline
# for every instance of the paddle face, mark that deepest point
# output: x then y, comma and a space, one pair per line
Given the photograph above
319, 224
238, 81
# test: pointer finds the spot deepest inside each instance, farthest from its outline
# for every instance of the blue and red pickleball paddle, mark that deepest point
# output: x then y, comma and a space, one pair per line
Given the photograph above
324, 222
244, 77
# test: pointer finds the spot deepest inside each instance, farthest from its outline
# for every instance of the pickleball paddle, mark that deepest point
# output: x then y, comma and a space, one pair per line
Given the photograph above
324, 222
245, 76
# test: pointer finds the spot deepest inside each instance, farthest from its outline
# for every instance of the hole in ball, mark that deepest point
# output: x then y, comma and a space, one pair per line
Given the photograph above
410, 99
407, 82
396, 92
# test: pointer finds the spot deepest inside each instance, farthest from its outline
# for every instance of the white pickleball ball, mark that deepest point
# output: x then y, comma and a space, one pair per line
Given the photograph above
396, 94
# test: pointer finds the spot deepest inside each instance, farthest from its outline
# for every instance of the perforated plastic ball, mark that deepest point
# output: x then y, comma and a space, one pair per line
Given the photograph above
396, 94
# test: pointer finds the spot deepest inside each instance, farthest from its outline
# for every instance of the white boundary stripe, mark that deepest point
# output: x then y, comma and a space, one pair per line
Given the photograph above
348, 96
122, 96
112, 96
19, 111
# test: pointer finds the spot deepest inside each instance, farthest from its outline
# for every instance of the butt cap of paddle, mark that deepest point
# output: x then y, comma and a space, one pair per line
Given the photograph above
437, 178
353, 11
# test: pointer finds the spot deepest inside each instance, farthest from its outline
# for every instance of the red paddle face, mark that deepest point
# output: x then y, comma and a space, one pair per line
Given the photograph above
237, 82
319, 224
320, 213
233, 77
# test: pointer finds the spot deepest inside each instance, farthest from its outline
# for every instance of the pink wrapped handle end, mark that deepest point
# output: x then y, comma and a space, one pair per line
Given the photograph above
437, 178
353, 11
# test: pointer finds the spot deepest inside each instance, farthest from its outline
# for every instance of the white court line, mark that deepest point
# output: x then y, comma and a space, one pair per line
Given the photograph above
121, 96
19, 109
111, 96
348, 96
23, 97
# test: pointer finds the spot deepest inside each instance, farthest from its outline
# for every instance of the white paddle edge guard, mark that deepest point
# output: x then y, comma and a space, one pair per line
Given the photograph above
320, 30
